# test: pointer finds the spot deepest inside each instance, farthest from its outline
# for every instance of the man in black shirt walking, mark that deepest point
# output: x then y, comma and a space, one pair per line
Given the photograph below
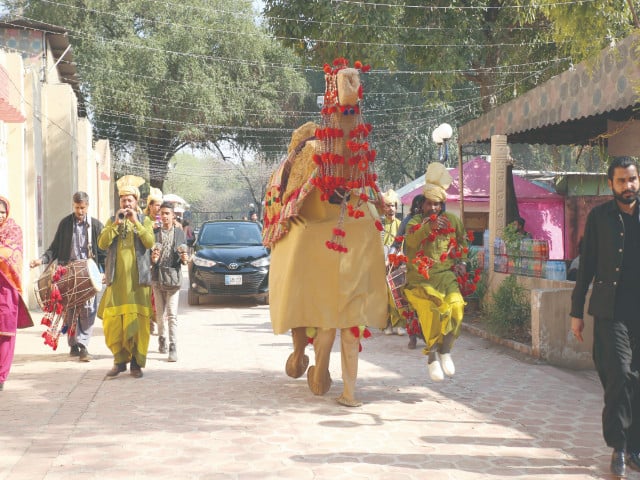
610, 257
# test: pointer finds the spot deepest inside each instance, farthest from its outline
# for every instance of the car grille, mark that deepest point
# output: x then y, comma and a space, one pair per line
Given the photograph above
215, 283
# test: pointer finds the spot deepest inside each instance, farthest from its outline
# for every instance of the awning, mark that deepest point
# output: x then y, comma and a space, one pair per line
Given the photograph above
571, 108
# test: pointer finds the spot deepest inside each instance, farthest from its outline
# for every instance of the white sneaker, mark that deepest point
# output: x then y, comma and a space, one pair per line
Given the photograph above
447, 364
398, 331
388, 330
435, 371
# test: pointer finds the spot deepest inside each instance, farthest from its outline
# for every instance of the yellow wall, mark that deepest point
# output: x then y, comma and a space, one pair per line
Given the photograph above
46, 159
60, 154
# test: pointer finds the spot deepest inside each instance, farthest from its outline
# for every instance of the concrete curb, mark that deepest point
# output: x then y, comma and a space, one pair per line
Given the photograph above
517, 346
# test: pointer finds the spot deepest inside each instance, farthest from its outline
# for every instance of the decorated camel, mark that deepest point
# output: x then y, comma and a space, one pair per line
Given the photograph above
327, 262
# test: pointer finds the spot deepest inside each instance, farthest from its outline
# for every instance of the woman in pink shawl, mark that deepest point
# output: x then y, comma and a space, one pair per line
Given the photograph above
13, 312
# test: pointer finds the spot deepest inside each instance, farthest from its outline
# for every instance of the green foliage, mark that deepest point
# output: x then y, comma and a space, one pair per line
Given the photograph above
509, 308
215, 188
511, 238
482, 287
433, 61
582, 29
161, 76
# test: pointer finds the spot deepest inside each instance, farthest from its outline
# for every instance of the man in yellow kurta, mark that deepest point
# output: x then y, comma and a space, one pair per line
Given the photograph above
390, 225
327, 261
436, 247
125, 307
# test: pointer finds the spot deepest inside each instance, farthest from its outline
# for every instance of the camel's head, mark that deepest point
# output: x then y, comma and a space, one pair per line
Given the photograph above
348, 83
343, 90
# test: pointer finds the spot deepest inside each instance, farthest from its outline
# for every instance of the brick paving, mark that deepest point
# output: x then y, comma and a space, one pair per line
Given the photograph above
226, 410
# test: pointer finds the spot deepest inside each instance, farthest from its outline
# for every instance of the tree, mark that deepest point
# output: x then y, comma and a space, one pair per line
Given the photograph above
161, 76
466, 57
216, 188
583, 29
431, 62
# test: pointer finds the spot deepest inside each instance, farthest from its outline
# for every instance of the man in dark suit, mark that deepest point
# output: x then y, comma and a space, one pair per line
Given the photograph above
610, 259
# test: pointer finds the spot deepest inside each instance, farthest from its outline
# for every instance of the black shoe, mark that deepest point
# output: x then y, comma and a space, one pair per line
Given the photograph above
633, 460
136, 370
75, 351
617, 464
116, 369
1, 386
84, 353
413, 341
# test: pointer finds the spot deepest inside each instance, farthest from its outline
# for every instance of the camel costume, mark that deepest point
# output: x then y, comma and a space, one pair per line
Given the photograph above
327, 262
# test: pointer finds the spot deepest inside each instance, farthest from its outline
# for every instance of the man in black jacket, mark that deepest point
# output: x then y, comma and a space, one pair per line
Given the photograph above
610, 257
76, 239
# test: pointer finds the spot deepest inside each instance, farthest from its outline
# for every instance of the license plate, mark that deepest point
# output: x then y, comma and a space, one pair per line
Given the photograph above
233, 279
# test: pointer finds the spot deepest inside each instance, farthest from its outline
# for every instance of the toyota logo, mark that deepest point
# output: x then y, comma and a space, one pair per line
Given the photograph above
233, 266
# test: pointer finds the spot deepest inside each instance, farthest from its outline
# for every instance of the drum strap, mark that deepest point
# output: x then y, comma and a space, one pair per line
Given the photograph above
89, 238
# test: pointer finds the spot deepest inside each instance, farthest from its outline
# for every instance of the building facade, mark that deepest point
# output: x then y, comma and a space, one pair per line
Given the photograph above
47, 152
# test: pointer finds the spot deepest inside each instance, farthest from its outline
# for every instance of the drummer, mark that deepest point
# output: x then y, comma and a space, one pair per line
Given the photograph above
77, 239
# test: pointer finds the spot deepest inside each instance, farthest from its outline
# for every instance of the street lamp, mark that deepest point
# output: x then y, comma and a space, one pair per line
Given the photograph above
441, 135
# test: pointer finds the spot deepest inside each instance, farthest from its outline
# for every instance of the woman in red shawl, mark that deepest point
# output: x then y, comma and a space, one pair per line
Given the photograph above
13, 312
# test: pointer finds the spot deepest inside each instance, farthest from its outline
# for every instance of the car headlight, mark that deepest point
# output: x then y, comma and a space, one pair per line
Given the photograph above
261, 262
203, 262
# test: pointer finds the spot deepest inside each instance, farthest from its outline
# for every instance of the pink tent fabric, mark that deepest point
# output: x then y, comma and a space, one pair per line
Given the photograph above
542, 210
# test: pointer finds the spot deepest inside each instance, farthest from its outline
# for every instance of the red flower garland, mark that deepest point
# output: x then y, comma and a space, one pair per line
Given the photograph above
333, 179
54, 312
424, 263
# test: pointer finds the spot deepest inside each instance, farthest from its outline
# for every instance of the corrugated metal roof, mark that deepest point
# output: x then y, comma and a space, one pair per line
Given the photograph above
571, 108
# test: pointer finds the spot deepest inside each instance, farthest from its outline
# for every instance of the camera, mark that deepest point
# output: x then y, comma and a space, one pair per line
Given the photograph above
121, 216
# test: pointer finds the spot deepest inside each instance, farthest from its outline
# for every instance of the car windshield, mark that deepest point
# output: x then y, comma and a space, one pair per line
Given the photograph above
227, 233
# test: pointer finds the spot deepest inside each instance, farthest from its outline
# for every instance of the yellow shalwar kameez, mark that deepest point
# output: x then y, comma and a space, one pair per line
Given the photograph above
437, 301
125, 307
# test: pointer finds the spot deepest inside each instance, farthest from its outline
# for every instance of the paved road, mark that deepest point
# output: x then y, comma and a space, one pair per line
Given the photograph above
226, 410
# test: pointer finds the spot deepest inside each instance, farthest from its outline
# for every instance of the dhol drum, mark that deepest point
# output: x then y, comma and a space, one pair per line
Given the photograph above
396, 280
81, 281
